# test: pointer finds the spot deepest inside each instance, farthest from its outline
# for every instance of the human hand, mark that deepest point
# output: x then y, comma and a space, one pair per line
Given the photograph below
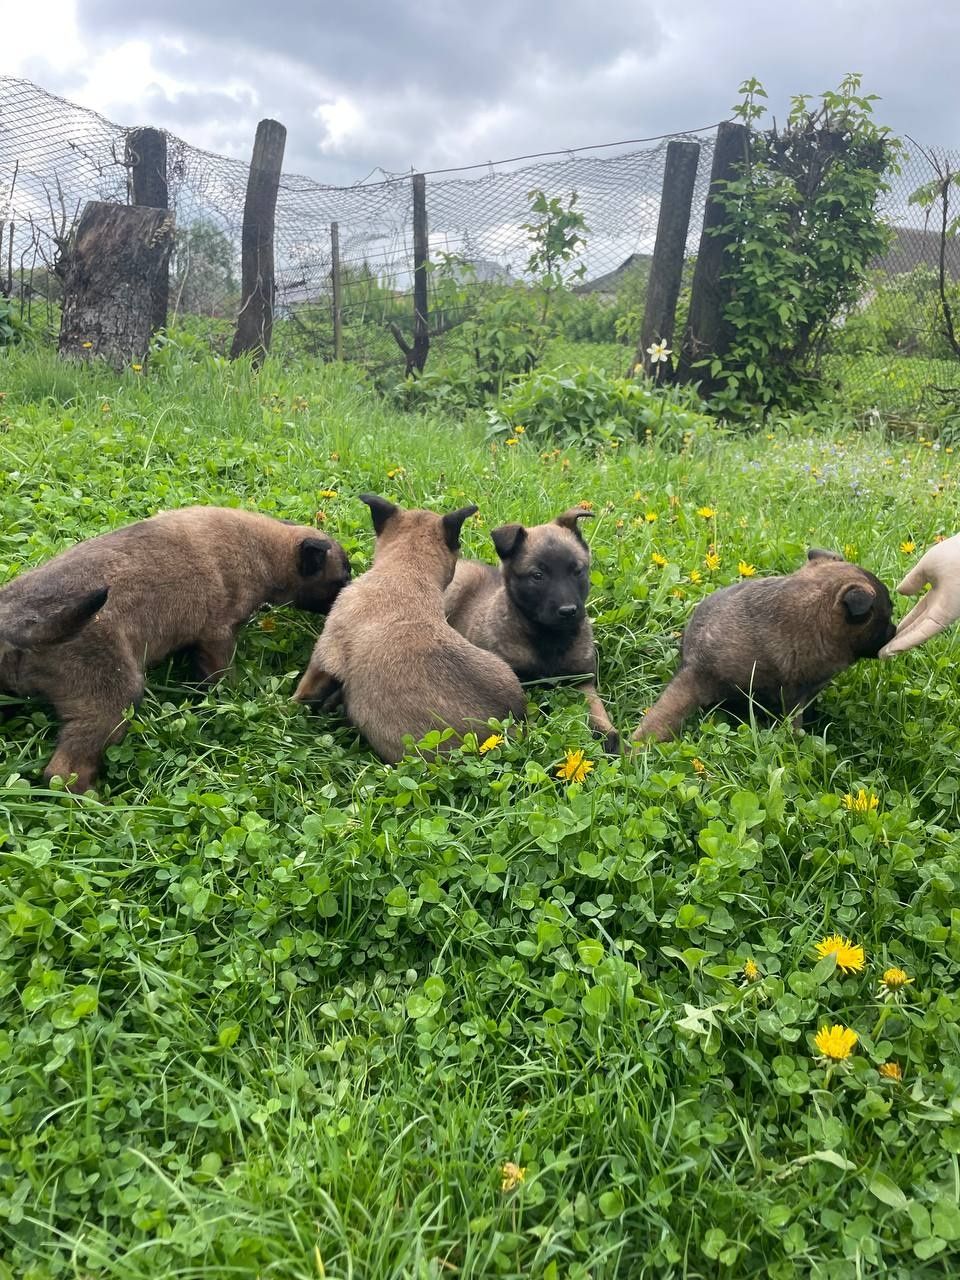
934, 612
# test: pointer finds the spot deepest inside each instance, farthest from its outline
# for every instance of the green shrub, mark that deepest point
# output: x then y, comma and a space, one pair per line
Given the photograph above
588, 405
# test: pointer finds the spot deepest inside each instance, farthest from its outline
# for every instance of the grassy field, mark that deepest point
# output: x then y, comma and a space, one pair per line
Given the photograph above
270, 1008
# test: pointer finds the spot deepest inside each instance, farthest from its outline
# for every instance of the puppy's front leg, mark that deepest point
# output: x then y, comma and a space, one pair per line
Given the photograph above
682, 696
600, 722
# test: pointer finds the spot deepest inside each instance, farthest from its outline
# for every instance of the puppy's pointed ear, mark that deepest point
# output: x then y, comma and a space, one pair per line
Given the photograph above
508, 539
453, 523
817, 553
857, 600
380, 509
49, 621
571, 519
311, 557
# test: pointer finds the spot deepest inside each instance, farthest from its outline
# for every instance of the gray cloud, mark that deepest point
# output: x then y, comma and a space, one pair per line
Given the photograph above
450, 83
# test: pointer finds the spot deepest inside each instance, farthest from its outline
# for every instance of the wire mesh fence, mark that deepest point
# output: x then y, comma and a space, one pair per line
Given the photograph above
54, 156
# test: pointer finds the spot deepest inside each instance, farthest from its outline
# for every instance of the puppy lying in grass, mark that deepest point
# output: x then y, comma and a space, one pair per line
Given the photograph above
775, 640
182, 580
532, 610
388, 652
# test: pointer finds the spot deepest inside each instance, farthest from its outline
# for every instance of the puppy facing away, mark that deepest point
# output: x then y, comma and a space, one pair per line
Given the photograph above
777, 640
388, 651
183, 579
532, 610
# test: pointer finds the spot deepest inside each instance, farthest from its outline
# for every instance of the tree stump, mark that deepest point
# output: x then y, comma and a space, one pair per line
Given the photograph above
111, 269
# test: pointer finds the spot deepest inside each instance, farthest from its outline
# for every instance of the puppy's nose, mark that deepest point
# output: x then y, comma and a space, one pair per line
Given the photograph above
567, 610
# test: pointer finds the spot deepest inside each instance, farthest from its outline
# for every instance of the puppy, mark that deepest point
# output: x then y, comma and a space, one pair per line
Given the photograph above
182, 580
387, 650
777, 640
531, 611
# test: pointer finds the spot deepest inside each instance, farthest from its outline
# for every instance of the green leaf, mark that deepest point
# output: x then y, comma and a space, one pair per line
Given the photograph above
887, 1191
611, 1203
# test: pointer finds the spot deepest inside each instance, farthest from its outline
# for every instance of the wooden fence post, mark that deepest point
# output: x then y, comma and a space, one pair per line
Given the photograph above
666, 270
335, 282
255, 321
704, 335
146, 160
417, 357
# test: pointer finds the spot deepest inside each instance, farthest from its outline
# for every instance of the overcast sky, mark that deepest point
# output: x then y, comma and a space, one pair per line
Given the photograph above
369, 84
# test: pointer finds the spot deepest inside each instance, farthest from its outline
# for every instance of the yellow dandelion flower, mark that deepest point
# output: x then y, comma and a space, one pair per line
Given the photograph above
638, 497
712, 560
746, 570
512, 440
941, 537
564, 464
836, 1043
519, 431
619, 524
87, 346
850, 957
511, 1175
659, 560
751, 971
678, 593
707, 513
862, 802
327, 493
575, 767
137, 368
488, 744
891, 1071
895, 978
698, 765
334, 457
695, 575
394, 472
908, 546
586, 504
268, 624
849, 551
651, 517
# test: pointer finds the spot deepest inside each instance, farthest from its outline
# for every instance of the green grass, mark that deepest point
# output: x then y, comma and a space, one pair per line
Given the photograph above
269, 1008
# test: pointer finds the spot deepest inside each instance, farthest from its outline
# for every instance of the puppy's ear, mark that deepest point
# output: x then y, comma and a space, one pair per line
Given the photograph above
857, 600
571, 519
311, 557
380, 509
817, 553
453, 523
49, 621
508, 539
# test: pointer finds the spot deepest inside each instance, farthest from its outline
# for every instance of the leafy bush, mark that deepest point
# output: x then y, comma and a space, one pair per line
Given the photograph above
585, 404
11, 328
901, 315
804, 224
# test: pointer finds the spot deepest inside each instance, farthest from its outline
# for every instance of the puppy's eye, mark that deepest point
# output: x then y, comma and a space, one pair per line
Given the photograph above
536, 575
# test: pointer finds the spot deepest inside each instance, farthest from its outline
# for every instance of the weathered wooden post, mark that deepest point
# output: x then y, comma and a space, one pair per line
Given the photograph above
704, 336
335, 285
110, 271
146, 160
255, 321
417, 357
666, 270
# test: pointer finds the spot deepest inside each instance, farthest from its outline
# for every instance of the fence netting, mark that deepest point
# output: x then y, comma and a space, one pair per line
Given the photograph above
54, 156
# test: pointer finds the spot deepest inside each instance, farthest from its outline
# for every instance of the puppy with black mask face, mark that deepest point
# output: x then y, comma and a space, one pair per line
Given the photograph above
775, 640
532, 610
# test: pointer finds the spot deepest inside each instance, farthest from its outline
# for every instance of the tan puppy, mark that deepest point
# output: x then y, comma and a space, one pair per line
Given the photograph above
181, 580
777, 640
388, 651
532, 610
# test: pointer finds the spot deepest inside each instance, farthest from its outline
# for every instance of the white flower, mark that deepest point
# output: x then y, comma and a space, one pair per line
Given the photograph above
659, 353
